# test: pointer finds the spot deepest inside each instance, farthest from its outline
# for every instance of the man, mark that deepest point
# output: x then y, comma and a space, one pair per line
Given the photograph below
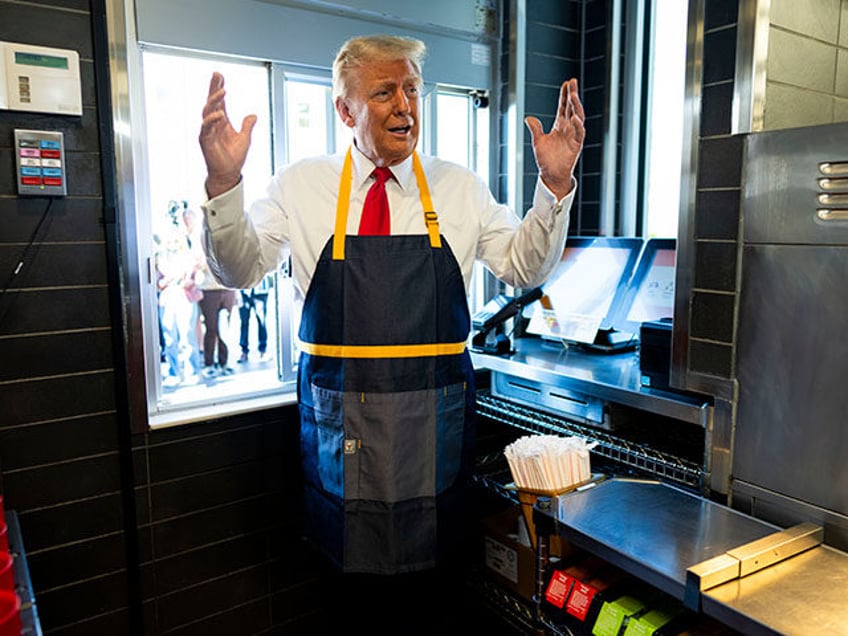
386, 386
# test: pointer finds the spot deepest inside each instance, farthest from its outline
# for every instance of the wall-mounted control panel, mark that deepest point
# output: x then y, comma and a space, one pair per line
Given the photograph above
40, 79
40, 161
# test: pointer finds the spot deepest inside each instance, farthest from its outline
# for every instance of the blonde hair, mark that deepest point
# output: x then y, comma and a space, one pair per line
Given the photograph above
359, 51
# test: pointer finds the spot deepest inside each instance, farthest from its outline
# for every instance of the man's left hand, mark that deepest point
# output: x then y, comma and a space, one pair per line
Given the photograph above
557, 151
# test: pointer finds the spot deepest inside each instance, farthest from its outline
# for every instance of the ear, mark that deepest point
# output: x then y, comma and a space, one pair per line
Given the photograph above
344, 111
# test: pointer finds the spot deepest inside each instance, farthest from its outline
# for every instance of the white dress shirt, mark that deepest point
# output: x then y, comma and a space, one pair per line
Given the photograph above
297, 218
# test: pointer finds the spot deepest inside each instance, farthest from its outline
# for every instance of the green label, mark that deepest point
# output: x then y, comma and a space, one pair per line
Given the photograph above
38, 59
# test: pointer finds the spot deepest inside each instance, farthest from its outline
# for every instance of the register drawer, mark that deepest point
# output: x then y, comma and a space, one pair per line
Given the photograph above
548, 398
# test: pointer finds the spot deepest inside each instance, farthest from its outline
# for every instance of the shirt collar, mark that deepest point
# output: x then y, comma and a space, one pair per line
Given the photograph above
363, 167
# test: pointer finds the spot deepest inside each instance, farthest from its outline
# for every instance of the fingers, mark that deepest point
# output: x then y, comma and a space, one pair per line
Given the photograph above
573, 100
535, 127
247, 125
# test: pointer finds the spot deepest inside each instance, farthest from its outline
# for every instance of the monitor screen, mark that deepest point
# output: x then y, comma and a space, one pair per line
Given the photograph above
582, 294
650, 295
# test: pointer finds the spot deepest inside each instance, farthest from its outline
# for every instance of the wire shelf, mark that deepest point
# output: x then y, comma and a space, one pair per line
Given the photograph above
616, 449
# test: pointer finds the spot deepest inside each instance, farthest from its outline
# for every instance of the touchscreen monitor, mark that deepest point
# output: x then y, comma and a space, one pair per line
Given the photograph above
650, 294
582, 294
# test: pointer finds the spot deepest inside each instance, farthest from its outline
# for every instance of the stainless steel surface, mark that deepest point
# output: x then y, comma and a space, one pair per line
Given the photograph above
790, 430
652, 530
685, 266
702, 576
749, 558
790, 440
801, 596
613, 377
549, 397
832, 215
783, 188
749, 86
776, 547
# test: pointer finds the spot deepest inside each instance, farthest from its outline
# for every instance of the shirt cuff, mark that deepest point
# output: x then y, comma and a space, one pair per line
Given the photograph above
224, 209
546, 202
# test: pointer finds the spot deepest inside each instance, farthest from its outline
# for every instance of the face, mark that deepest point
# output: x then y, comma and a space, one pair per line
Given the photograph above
382, 108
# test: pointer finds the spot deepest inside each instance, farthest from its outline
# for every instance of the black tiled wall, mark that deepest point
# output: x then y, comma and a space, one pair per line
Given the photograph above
195, 528
717, 207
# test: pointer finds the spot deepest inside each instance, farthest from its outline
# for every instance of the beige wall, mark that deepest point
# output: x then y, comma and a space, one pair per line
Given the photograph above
807, 63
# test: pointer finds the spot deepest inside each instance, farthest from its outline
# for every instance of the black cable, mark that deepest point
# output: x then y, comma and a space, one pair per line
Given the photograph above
19, 267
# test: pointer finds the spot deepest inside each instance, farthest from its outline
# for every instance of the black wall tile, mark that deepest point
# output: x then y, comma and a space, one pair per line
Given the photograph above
57, 441
68, 29
553, 40
251, 618
544, 69
211, 597
46, 310
712, 316
24, 402
717, 109
719, 56
209, 526
49, 265
715, 266
66, 523
205, 490
197, 566
718, 13
117, 622
717, 214
67, 481
85, 599
720, 162
559, 12
171, 460
56, 354
710, 358
87, 559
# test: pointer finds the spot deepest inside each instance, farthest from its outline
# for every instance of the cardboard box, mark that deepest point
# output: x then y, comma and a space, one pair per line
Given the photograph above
511, 563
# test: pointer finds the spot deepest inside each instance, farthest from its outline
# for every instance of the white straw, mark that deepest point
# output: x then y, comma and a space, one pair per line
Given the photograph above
549, 462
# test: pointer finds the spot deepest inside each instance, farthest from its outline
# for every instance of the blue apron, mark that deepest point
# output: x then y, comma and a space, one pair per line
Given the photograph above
386, 395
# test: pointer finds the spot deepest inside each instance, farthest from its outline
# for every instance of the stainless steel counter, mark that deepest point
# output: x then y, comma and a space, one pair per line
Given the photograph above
656, 532
614, 377
652, 530
804, 595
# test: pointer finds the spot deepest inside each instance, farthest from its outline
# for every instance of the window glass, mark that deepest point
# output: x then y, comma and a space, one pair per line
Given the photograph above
189, 304
665, 118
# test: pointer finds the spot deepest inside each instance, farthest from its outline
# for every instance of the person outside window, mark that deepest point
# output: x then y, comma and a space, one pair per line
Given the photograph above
254, 302
386, 385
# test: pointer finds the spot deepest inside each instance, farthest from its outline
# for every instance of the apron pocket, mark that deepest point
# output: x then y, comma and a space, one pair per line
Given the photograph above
451, 412
331, 439
411, 443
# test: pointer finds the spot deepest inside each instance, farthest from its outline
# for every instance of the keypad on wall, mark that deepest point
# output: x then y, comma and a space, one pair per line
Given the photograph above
40, 160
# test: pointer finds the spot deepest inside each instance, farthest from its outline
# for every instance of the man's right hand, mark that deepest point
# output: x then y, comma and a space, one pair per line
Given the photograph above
224, 148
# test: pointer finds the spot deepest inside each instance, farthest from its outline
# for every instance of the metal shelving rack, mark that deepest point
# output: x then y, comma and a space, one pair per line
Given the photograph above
616, 449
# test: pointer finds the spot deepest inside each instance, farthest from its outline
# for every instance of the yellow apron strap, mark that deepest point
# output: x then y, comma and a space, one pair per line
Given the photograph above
431, 219
342, 207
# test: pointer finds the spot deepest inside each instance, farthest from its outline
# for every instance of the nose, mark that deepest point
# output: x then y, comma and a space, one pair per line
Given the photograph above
401, 100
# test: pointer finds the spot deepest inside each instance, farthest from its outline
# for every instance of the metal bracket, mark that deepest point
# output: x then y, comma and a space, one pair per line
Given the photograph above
749, 558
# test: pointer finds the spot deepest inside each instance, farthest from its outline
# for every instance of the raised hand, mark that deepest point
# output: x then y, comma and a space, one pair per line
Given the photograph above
557, 151
224, 148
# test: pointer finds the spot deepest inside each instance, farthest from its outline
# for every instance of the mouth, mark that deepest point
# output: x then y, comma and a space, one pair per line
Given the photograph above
400, 130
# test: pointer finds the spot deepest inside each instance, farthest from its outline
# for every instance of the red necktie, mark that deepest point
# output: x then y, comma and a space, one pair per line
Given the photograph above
375, 212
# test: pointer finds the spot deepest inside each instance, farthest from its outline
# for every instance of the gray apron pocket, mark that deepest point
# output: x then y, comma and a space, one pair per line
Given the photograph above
409, 443
328, 420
